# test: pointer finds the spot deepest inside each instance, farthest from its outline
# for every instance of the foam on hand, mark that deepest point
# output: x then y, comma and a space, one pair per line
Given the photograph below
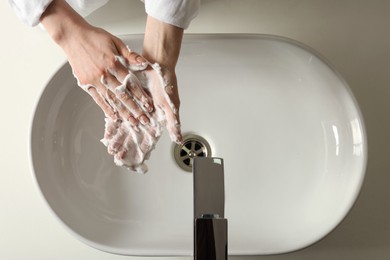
132, 145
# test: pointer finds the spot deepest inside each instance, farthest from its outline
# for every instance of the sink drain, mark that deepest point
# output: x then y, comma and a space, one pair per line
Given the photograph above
192, 146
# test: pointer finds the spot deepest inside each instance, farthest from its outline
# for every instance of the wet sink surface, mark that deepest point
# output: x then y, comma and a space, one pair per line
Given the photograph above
285, 122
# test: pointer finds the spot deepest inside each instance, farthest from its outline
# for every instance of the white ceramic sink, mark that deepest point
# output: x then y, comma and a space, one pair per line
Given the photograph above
283, 119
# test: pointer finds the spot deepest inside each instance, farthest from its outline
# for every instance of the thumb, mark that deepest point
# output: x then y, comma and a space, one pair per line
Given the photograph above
134, 60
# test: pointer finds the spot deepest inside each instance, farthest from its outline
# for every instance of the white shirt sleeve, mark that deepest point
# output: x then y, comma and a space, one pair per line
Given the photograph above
176, 12
30, 11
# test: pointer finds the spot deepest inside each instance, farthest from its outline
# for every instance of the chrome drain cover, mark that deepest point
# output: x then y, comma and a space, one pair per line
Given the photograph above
193, 146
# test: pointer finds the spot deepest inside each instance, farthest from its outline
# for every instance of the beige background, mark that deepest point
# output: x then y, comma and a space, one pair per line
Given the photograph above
353, 34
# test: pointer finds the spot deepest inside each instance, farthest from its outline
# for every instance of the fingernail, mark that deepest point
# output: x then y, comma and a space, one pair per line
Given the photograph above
140, 59
176, 138
114, 116
121, 154
132, 120
144, 120
148, 107
169, 89
179, 139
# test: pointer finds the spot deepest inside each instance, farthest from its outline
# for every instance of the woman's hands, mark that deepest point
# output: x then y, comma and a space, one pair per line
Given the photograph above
100, 62
107, 69
131, 146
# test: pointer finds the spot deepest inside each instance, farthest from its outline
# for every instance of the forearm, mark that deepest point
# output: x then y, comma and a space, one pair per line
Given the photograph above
162, 43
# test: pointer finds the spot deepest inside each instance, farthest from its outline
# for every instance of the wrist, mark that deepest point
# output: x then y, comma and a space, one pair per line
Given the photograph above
162, 43
61, 21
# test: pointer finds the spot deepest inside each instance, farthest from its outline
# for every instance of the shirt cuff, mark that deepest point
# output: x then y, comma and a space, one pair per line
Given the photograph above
29, 11
179, 13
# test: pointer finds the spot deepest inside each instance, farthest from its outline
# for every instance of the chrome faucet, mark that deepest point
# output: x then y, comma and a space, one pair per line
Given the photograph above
210, 225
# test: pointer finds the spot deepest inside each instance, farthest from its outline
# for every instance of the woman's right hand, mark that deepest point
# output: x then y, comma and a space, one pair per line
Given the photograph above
100, 62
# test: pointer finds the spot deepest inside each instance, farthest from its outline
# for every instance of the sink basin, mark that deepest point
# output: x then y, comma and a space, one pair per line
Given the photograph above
285, 122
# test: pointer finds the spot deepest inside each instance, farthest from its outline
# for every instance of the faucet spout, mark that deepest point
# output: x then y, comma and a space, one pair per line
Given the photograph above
210, 225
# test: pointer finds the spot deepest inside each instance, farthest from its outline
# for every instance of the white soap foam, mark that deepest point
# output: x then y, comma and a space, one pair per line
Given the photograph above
130, 145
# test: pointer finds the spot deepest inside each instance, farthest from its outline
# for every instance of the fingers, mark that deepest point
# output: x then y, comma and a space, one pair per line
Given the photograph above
129, 147
133, 60
134, 85
173, 124
129, 81
120, 78
122, 110
118, 102
101, 102
124, 101
111, 128
130, 150
116, 142
167, 94
132, 147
